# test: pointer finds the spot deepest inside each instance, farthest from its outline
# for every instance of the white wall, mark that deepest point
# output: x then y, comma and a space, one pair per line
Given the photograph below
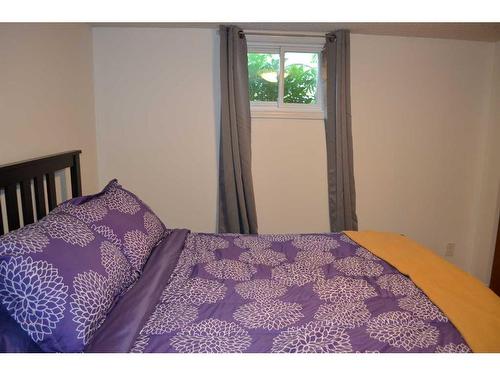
289, 174
488, 189
47, 94
422, 110
156, 113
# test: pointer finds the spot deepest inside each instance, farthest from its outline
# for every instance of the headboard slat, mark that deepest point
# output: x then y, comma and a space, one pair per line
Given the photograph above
12, 207
41, 210
22, 173
51, 190
76, 179
27, 202
1, 220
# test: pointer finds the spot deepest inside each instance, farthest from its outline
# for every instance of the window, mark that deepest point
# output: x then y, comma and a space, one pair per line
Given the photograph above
263, 71
301, 77
284, 79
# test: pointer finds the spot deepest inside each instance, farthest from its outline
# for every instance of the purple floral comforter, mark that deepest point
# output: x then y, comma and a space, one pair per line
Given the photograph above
273, 293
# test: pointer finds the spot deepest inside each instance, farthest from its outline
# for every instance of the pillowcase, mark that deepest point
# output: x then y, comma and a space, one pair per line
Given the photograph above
12, 338
59, 279
122, 218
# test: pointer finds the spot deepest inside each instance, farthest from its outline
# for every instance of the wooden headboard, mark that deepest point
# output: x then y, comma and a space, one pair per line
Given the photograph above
23, 173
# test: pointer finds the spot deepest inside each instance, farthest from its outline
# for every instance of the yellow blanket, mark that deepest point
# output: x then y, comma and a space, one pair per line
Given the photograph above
472, 307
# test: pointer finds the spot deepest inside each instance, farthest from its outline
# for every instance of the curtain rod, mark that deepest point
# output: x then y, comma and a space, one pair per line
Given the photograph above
284, 33
281, 33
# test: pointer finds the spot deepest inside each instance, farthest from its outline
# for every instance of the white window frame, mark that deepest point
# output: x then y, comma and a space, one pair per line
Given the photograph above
280, 45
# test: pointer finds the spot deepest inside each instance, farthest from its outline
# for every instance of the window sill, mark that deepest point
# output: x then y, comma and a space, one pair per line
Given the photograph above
299, 115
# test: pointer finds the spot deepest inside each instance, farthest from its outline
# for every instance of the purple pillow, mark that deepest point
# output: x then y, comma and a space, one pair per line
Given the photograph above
59, 279
122, 218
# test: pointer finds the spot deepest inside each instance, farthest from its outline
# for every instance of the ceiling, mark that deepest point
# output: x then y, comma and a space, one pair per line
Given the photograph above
489, 32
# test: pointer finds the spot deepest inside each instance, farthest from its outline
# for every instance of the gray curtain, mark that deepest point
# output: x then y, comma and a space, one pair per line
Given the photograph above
237, 213
341, 191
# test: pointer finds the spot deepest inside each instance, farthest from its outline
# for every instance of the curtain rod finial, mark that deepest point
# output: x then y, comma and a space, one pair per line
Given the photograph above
331, 37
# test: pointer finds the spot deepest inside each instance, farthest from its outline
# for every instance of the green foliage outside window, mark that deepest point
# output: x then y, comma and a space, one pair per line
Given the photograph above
300, 84
259, 88
301, 80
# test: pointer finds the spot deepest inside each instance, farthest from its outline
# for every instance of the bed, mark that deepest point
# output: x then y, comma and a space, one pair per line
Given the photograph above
102, 273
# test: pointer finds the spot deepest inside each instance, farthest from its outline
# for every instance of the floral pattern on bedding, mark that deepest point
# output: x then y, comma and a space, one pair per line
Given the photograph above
291, 293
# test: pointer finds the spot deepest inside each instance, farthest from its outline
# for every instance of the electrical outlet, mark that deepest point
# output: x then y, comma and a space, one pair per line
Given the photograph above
450, 249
